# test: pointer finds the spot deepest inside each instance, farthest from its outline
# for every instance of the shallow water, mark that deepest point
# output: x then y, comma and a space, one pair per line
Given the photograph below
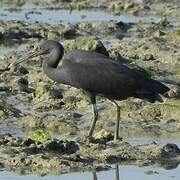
145, 140
34, 13
7, 49
126, 172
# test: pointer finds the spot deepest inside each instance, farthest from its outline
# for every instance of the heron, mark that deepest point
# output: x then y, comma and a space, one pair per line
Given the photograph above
97, 75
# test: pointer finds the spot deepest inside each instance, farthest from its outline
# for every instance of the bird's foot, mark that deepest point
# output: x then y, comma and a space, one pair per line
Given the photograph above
88, 139
117, 139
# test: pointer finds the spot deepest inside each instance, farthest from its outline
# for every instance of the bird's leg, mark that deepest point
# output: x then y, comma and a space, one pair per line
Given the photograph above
95, 116
116, 132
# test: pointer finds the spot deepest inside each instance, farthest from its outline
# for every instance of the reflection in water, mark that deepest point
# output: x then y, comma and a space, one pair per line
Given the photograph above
94, 175
128, 172
161, 168
11, 46
116, 173
170, 164
47, 15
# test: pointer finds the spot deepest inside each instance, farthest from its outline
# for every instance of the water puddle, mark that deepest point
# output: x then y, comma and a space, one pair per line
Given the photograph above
10, 128
118, 172
43, 14
15, 47
141, 140
33, 13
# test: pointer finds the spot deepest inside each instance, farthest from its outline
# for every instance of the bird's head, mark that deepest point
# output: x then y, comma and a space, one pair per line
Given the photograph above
49, 45
43, 48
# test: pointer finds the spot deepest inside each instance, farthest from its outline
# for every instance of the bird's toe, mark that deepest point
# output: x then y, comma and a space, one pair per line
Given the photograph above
116, 139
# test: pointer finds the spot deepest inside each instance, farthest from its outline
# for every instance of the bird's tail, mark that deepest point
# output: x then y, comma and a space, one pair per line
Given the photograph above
156, 86
152, 91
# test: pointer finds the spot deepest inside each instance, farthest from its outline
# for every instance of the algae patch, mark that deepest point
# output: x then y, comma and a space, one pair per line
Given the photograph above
40, 135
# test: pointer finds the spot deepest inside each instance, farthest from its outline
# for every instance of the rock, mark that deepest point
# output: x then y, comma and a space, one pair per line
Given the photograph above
63, 155
174, 91
48, 106
50, 123
56, 93
24, 85
164, 22
170, 150
103, 134
148, 57
53, 35
159, 33
46, 92
7, 110
69, 33
77, 114
5, 88
150, 172
129, 5
92, 44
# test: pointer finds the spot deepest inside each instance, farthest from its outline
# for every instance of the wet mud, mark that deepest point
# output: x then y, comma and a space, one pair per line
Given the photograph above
64, 156
53, 119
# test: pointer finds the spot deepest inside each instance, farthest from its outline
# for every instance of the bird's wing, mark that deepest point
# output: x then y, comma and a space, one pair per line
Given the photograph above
99, 74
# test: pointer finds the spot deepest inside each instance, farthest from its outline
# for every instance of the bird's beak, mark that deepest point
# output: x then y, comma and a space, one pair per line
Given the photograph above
28, 56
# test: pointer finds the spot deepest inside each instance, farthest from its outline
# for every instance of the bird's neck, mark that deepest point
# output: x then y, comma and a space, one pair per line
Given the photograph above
50, 67
54, 58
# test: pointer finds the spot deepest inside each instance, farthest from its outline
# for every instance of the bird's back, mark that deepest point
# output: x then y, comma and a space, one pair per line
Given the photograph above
100, 75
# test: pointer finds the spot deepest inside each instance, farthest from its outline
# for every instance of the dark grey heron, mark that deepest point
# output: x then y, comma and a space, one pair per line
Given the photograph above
97, 75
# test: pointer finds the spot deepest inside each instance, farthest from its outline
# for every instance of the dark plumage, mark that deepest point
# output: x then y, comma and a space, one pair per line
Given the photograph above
98, 74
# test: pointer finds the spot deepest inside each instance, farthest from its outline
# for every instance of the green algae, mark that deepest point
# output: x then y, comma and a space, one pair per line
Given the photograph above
40, 135
51, 124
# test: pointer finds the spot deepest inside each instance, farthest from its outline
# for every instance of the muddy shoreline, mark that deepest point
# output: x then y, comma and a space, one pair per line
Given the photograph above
46, 120
67, 156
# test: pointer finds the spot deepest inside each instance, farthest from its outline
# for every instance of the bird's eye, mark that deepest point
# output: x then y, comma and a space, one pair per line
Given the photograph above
47, 50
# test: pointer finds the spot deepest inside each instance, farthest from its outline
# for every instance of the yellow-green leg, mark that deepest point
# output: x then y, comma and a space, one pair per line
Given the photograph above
95, 118
116, 132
